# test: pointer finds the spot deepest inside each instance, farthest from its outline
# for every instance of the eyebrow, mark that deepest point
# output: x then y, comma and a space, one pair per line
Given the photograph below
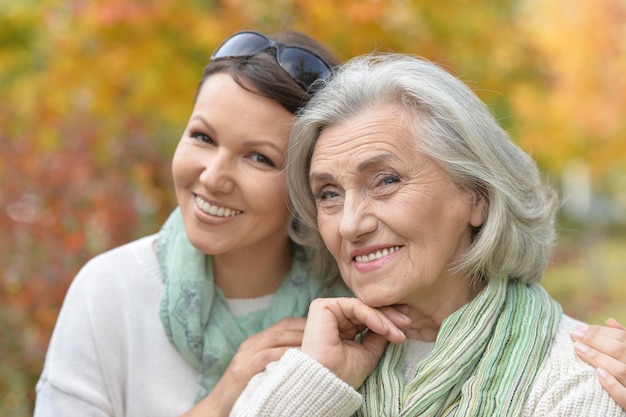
248, 143
203, 121
254, 143
366, 165
375, 161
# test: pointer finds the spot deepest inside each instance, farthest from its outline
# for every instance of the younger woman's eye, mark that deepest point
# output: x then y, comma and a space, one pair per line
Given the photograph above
262, 159
202, 137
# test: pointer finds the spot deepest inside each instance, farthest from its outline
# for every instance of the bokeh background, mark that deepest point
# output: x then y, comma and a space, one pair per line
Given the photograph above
94, 95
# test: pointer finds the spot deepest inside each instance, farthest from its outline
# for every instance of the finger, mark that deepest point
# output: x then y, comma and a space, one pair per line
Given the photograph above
262, 358
610, 341
603, 347
289, 323
338, 319
599, 360
613, 387
358, 312
273, 337
397, 316
375, 344
278, 333
244, 366
611, 322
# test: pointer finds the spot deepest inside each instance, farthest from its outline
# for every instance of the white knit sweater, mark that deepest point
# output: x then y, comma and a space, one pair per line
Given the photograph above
297, 385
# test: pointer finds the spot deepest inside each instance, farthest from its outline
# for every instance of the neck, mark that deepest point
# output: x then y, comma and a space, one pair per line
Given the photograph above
431, 310
252, 273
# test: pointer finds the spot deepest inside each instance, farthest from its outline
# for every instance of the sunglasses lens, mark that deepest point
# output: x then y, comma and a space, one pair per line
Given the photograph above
302, 65
241, 44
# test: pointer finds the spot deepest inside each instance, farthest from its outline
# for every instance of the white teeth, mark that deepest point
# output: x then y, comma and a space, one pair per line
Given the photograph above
376, 255
215, 210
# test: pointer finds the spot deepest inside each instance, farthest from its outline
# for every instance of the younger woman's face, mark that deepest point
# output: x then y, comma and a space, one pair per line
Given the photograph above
229, 169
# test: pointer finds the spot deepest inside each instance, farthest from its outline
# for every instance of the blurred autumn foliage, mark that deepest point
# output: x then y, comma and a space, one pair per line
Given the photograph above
94, 95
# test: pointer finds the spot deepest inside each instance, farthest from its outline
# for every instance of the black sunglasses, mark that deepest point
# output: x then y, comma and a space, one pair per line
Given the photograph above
304, 66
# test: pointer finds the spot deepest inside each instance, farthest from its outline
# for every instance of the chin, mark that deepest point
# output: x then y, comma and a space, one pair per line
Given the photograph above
204, 244
373, 298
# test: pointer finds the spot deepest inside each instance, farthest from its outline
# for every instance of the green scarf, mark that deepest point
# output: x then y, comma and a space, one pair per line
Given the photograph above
194, 312
485, 359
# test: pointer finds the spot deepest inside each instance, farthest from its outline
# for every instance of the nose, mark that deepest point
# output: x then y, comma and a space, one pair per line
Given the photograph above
357, 220
218, 174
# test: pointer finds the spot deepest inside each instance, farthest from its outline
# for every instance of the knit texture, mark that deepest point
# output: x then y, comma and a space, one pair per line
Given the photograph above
313, 391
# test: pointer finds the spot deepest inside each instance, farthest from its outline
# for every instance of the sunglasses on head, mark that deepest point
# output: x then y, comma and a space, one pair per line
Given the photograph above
304, 66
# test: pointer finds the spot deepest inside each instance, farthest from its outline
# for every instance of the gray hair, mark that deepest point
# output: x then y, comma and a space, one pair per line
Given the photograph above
454, 128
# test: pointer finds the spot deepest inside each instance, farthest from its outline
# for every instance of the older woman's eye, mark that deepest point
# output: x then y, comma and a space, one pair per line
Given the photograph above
389, 179
325, 194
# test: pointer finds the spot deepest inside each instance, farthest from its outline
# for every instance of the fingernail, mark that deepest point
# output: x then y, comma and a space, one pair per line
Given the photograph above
581, 347
401, 333
602, 373
579, 331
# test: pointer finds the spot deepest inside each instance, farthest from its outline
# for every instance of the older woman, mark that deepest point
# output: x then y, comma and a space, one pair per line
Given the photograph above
442, 227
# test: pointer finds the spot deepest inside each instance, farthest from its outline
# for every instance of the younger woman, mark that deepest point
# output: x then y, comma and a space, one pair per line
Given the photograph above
157, 327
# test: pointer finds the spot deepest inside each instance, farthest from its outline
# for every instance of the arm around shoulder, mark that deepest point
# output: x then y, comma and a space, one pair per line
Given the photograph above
567, 386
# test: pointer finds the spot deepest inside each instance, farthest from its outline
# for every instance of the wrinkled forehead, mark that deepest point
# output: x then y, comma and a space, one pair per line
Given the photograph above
368, 134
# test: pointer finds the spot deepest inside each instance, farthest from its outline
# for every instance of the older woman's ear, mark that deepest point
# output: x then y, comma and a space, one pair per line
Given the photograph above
478, 213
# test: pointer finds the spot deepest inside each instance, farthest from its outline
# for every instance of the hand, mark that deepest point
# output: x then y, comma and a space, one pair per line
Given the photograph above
604, 348
331, 327
251, 358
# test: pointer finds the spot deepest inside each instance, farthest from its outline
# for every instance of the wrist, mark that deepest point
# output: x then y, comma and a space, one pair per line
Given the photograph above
216, 404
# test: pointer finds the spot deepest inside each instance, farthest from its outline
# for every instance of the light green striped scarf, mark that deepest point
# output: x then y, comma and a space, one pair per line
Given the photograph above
194, 311
485, 359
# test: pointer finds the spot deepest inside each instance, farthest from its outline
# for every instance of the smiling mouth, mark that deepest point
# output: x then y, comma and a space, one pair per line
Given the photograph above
218, 211
376, 255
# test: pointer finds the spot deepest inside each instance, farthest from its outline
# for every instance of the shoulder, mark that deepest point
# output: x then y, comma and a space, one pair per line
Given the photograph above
115, 284
132, 264
115, 295
138, 253
566, 385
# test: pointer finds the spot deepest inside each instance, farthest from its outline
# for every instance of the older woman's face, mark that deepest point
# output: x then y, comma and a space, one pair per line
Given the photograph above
392, 218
